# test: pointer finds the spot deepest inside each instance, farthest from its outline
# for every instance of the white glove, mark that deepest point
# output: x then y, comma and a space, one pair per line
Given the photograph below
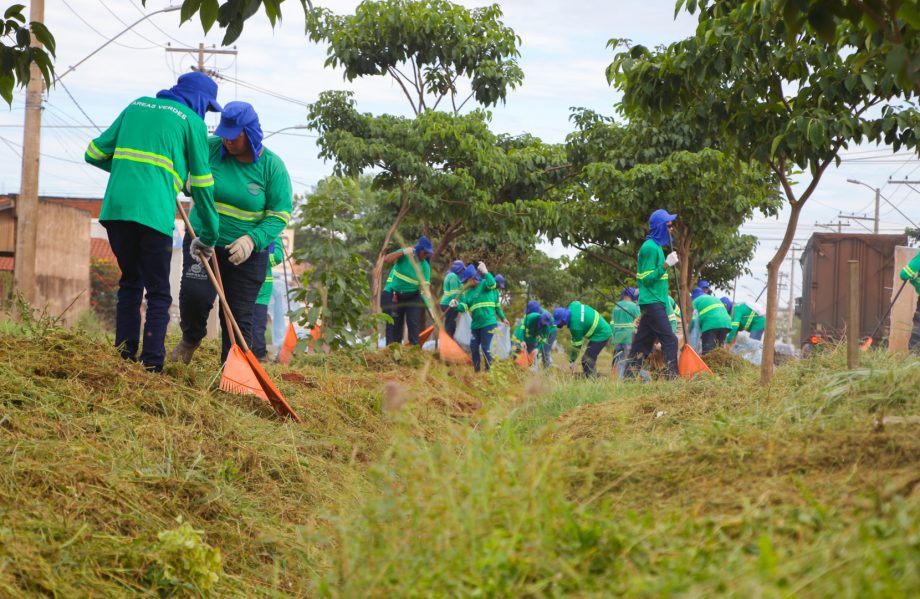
198, 249
672, 259
240, 250
482, 268
453, 303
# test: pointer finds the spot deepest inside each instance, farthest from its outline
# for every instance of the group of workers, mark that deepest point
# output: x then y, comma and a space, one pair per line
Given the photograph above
643, 317
157, 148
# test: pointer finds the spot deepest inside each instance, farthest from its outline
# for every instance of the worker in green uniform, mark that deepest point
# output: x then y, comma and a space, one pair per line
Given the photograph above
911, 273
585, 323
536, 329
253, 197
402, 295
151, 149
747, 317
551, 333
654, 302
480, 299
452, 288
674, 314
714, 321
260, 312
625, 314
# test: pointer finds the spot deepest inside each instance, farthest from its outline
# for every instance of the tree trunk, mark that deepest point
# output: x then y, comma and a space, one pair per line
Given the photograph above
377, 272
769, 334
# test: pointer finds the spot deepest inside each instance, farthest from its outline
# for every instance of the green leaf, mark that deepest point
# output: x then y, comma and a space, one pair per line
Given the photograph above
44, 36
896, 60
7, 83
208, 14
188, 10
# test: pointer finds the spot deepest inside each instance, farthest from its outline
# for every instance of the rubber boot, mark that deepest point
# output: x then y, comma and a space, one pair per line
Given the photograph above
183, 352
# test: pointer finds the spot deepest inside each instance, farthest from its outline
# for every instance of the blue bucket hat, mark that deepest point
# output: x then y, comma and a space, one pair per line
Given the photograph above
630, 292
658, 227
468, 273
195, 90
424, 244
236, 118
561, 317
546, 319
457, 267
703, 284
728, 304
696, 293
532, 306
500, 281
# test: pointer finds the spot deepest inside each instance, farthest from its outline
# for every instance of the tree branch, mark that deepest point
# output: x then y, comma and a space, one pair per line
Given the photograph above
604, 259
394, 73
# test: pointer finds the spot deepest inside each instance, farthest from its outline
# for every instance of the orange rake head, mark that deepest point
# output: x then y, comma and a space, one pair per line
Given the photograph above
238, 376
268, 387
451, 352
424, 335
288, 346
866, 345
691, 364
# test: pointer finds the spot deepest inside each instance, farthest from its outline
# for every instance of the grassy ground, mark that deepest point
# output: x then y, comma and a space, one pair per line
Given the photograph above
411, 479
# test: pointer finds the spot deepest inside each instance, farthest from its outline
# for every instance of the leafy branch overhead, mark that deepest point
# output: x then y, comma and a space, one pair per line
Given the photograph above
231, 15
17, 53
430, 48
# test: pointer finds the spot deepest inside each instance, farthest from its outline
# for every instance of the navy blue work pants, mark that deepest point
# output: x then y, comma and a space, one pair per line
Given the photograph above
405, 309
196, 295
481, 339
653, 326
713, 338
143, 255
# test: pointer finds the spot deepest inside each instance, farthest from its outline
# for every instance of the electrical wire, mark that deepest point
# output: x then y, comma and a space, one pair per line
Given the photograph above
126, 24
102, 35
157, 27
77, 104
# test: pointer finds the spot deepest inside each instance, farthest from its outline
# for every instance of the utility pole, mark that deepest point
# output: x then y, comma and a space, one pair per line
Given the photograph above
858, 218
839, 225
27, 203
201, 51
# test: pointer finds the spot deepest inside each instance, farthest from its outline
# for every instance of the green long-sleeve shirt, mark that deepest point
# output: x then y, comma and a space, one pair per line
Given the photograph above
452, 288
625, 313
673, 313
712, 313
911, 272
744, 318
652, 274
274, 259
251, 198
403, 278
586, 323
482, 303
534, 334
153, 146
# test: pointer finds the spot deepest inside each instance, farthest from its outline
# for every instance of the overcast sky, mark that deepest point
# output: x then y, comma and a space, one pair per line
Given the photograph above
563, 55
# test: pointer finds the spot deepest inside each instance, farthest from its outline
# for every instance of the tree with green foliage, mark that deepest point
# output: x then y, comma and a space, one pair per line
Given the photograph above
884, 28
331, 238
17, 53
622, 173
789, 106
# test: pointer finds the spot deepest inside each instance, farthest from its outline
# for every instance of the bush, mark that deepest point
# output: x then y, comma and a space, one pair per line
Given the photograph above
104, 275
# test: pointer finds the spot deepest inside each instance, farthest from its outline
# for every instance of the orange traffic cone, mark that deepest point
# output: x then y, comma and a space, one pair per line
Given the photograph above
288, 346
451, 352
691, 364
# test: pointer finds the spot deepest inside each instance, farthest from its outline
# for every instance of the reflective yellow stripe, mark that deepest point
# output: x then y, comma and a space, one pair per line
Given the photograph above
910, 272
149, 158
201, 180
398, 274
710, 308
284, 216
642, 275
597, 318
228, 210
95, 152
481, 305
750, 319
623, 325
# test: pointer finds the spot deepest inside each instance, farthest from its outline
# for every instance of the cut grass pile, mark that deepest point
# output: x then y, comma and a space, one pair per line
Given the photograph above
410, 479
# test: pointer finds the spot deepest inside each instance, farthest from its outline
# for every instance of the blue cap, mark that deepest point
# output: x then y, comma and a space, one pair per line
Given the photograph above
457, 267
696, 293
468, 273
560, 316
424, 244
546, 319
532, 306
728, 303
630, 292
703, 284
500, 281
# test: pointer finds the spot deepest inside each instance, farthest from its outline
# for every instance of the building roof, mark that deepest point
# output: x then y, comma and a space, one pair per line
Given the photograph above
7, 263
99, 249
91, 205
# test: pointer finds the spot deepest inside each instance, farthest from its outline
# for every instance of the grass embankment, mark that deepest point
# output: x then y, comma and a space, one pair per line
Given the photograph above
493, 486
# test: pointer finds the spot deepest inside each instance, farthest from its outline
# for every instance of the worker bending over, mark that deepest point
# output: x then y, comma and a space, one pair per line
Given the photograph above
747, 317
585, 323
402, 297
625, 315
713, 318
481, 300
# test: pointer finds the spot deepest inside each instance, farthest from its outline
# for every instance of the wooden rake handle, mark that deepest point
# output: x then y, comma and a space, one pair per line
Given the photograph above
218, 286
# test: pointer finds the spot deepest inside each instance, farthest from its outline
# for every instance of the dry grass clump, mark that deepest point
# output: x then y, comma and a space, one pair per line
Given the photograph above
99, 459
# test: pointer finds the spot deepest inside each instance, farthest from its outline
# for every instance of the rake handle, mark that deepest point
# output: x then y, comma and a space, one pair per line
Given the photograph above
888, 311
215, 281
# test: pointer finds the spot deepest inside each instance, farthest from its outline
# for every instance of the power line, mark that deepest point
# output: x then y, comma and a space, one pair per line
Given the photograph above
102, 35
77, 104
125, 23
